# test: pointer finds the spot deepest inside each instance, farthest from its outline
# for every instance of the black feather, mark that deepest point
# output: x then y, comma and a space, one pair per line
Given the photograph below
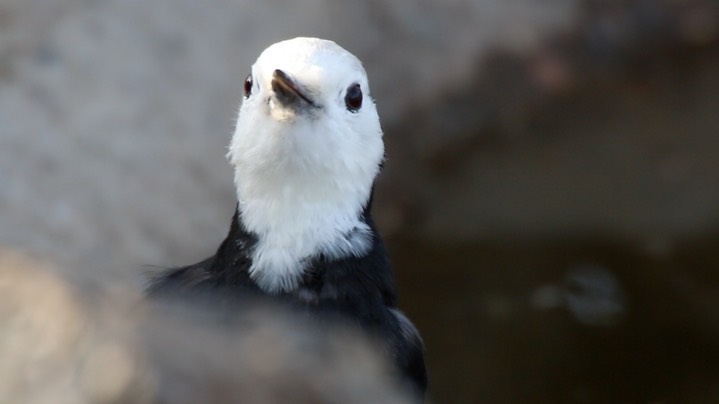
359, 290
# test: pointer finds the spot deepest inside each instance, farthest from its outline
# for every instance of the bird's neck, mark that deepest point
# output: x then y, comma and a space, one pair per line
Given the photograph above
294, 224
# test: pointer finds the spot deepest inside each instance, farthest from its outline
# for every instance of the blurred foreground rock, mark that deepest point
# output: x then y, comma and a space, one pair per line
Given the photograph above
60, 346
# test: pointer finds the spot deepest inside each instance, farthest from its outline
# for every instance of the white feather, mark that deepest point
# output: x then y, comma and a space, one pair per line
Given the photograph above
304, 176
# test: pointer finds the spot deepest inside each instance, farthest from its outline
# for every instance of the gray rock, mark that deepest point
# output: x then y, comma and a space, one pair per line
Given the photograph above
62, 344
114, 116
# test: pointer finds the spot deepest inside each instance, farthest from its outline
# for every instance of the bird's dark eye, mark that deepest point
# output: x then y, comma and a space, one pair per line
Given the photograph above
353, 99
248, 86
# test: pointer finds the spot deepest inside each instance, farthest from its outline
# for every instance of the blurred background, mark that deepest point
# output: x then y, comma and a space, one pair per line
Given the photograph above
550, 199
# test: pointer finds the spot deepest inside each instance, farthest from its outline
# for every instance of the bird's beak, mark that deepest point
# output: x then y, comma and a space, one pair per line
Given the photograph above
287, 91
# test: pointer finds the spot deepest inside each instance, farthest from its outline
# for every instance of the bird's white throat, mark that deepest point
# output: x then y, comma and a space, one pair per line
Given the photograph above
304, 175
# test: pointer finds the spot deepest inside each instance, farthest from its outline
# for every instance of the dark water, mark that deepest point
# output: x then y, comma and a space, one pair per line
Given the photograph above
566, 321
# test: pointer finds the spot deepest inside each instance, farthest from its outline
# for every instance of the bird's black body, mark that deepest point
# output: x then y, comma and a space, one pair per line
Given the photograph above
356, 289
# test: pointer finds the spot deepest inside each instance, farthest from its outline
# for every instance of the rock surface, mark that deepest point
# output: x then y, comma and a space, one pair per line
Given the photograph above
114, 116
61, 344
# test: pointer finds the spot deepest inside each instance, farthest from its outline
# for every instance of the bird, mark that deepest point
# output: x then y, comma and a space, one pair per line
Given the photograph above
306, 151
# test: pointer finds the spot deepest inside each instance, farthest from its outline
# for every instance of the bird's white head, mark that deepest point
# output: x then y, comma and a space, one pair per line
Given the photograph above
306, 150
